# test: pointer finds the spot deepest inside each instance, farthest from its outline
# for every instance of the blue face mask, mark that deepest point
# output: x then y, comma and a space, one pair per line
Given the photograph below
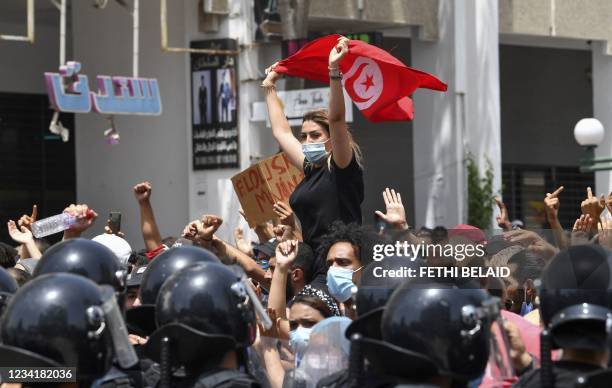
526, 308
298, 341
314, 152
340, 283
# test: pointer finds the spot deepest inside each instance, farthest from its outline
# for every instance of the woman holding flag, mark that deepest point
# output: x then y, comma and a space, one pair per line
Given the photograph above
332, 188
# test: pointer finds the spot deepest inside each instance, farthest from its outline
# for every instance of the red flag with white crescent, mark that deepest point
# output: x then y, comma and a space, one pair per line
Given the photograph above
378, 83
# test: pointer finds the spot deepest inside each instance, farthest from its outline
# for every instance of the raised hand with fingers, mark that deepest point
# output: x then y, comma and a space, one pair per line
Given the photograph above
20, 235
395, 213
271, 77
582, 229
604, 235
190, 231
210, 224
108, 230
264, 230
552, 205
338, 52
592, 205
85, 218
142, 191
502, 219
26, 220
286, 252
241, 243
284, 213
23, 236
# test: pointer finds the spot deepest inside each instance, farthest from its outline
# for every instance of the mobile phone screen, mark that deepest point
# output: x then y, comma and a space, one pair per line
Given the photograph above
114, 222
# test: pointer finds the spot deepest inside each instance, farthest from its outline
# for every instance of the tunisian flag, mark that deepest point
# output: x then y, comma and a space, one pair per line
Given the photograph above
377, 82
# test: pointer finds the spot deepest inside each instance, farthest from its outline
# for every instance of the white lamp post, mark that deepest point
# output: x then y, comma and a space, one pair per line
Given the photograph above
589, 133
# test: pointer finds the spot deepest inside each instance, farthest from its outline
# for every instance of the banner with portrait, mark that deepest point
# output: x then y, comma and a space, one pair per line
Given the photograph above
214, 97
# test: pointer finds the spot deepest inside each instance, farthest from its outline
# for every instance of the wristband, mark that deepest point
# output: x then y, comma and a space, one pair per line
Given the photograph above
335, 73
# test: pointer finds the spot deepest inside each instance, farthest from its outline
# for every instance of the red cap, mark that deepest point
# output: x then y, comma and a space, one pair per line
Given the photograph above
470, 232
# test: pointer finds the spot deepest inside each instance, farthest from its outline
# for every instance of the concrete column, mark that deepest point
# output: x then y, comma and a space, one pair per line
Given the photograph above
602, 103
464, 119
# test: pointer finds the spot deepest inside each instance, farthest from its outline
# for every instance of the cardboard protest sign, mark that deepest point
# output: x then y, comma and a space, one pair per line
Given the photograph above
259, 186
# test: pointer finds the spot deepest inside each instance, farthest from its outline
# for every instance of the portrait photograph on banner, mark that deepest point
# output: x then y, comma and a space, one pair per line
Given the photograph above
214, 107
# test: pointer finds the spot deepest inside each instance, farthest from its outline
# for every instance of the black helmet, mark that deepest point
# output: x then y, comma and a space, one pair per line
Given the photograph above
141, 319
203, 310
86, 258
378, 281
8, 286
168, 263
57, 320
437, 329
576, 297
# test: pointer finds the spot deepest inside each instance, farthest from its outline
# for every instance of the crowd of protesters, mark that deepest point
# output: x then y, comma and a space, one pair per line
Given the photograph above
305, 304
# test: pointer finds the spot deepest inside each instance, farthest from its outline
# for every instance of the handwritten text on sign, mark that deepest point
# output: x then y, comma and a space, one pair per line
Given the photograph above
69, 92
261, 185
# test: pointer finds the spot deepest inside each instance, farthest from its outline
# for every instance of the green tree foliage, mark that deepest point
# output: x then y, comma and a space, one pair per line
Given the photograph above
480, 194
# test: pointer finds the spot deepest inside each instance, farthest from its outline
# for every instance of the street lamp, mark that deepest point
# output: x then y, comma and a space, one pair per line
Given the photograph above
589, 133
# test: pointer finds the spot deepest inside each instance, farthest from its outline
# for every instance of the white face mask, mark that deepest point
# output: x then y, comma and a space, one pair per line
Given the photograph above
314, 152
340, 282
298, 341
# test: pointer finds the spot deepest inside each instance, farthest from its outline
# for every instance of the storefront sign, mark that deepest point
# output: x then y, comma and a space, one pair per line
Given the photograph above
117, 95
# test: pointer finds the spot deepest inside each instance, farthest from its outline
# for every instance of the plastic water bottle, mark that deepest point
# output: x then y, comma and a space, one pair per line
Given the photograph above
56, 224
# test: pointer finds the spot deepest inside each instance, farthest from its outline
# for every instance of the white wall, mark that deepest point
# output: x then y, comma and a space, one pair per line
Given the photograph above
22, 64
602, 109
465, 118
151, 148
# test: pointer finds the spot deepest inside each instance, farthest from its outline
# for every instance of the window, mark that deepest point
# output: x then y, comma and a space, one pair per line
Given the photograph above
36, 167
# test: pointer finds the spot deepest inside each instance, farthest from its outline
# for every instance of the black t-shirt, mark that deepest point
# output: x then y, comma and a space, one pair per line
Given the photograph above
566, 373
327, 194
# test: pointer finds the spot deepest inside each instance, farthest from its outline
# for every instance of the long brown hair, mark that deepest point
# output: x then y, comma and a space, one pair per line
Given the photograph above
321, 117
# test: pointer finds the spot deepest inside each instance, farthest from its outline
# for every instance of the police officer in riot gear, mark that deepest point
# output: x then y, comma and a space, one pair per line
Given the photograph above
206, 322
575, 301
86, 258
65, 320
8, 286
377, 283
434, 334
141, 318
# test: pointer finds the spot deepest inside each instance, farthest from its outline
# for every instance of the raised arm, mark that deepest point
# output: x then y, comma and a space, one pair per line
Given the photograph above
85, 218
24, 237
202, 232
148, 226
340, 138
250, 266
280, 126
285, 254
552, 214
